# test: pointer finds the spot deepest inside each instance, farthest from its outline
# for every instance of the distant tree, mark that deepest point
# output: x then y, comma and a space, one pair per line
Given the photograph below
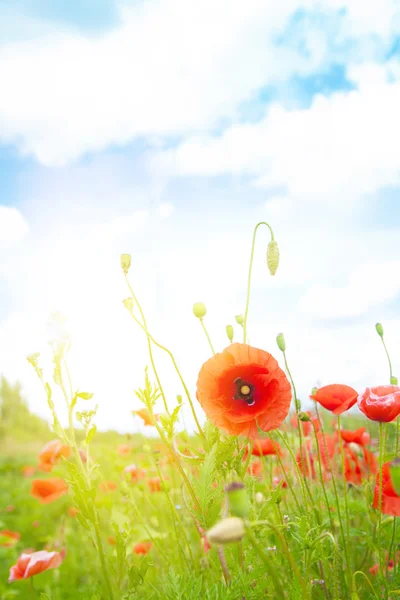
15, 417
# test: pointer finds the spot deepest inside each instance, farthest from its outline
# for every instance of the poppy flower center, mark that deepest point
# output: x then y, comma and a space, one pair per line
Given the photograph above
244, 391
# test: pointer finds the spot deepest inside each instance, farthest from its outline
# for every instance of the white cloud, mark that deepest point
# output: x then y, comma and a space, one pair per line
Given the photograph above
171, 68
13, 226
339, 149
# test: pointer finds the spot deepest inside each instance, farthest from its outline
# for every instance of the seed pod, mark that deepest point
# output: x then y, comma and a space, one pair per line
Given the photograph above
227, 531
273, 257
199, 310
126, 263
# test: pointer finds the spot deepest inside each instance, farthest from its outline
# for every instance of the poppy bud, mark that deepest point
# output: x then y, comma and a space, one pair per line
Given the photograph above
126, 263
303, 416
379, 329
280, 340
394, 470
259, 497
313, 392
273, 257
128, 303
199, 310
229, 332
238, 500
239, 319
227, 531
394, 381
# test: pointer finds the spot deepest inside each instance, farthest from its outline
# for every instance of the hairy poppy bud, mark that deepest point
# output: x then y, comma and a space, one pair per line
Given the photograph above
303, 416
227, 531
199, 310
379, 329
126, 263
128, 303
239, 319
273, 257
280, 340
394, 470
238, 500
394, 381
229, 332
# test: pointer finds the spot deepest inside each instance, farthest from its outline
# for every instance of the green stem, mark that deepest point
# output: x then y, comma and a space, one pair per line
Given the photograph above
381, 452
389, 361
266, 560
322, 480
344, 478
246, 312
369, 583
178, 372
153, 365
207, 336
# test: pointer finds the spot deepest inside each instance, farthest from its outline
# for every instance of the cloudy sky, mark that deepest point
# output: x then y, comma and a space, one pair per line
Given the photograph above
168, 129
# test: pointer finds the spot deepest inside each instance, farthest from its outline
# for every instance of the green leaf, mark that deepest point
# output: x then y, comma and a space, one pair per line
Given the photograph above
90, 434
44, 596
84, 395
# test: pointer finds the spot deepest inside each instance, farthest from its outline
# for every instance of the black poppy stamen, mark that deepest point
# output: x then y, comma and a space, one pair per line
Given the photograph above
244, 391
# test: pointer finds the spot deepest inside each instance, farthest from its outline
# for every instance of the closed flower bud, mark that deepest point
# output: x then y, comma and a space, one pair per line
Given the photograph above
229, 332
379, 329
259, 498
238, 500
303, 416
394, 381
280, 340
128, 303
227, 531
394, 470
239, 319
273, 257
199, 310
126, 263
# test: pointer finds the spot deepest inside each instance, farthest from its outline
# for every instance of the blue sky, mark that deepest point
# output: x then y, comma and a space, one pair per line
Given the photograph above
167, 130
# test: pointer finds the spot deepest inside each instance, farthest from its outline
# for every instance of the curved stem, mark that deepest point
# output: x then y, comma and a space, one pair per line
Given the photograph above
246, 312
389, 361
153, 366
207, 336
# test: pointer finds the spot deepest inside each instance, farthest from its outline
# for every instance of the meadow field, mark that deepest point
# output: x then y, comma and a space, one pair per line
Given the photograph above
266, 499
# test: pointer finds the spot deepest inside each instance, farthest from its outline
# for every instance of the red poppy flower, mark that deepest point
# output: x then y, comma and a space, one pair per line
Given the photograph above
8, 538
359, 436
142, 548
255, 468
336, 397
73, 511
28, 471
327, 447
51, 454
380, 403
48, 490
123, 449
146, 416
306, 461
32, 564
243, 389
266, 447
111, 540
108, 486
390, 498
154, 484
135, 472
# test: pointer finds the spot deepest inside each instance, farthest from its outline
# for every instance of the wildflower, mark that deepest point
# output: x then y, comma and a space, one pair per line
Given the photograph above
336, 397
36, 524
134, 472
8, 538
123, 449
227, 531
10, 508
305, 460
380, 403
266, 447
28, 471
48, 490
360, 436
146, 416
255, 468
154, 484
73, 511
243, 389
31, 564
111, 540
83, 455
390, 498
142, 548
108, 486
259, 498
51, 454
126, 261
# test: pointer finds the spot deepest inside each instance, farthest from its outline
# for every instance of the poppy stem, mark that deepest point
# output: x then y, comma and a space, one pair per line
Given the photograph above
148, 336
381, 452
344, 478
207, 335
267, 562
246, 312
